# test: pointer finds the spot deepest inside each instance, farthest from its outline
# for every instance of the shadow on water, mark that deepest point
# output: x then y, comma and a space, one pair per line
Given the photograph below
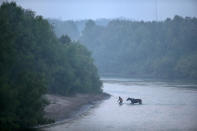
130, 104
120, 104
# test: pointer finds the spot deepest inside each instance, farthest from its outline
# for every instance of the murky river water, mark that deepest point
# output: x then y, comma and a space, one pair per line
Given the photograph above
166, 106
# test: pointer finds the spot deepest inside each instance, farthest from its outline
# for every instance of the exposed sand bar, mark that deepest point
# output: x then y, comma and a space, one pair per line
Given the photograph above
61, 107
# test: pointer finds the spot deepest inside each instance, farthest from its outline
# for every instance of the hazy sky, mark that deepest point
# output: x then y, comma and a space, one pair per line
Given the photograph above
93, 9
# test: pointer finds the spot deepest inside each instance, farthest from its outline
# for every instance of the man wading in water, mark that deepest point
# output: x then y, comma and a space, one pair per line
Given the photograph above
120, 100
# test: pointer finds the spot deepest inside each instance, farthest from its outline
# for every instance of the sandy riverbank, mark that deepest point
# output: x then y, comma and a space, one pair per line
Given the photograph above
61, 107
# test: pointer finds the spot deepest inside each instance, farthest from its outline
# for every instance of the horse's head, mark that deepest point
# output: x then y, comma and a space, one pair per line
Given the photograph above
128, 99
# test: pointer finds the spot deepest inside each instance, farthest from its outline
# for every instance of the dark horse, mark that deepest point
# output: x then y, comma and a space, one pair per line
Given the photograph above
134, 100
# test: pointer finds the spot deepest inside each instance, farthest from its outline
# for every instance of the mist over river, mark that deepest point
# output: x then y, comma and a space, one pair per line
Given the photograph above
165, 106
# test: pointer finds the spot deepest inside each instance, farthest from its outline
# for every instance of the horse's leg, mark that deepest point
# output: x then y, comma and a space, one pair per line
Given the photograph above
140, 101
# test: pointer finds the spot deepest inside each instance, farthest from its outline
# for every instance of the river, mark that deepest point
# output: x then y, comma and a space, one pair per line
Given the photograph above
167, 106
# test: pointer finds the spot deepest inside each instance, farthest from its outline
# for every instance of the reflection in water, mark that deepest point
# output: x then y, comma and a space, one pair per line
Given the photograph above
164, 107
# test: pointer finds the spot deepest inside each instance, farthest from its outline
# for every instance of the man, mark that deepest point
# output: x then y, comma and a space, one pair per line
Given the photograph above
120, 100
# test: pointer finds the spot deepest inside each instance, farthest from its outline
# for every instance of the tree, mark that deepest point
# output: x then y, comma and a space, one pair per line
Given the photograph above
33, 62
146, 49
64, 39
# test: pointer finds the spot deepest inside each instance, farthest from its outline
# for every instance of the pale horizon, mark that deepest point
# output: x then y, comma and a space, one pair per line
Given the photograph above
110, 9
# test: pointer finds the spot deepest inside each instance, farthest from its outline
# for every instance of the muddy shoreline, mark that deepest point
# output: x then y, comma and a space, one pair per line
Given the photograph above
62, 108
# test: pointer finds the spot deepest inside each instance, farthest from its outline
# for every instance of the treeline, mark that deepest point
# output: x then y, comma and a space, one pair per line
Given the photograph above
33, 61
166, 49
73, 28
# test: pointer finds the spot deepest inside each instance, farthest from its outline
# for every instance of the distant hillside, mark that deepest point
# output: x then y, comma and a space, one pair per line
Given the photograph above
73, 28
166, 49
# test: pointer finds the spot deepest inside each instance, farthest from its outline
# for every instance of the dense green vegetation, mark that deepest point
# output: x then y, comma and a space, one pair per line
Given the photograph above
166, 49
33, 61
